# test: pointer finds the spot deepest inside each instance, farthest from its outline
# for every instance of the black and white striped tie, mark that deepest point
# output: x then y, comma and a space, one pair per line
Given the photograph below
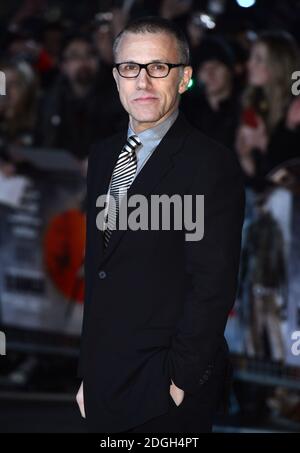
122, 178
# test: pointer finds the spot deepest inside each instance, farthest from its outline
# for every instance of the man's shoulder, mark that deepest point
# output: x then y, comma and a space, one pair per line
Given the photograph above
201, 146
208, 155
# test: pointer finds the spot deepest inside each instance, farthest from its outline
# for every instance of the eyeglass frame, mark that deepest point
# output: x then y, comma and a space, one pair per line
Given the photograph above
145, 65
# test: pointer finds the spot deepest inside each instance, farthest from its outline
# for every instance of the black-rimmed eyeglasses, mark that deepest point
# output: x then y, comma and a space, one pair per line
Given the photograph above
131, 70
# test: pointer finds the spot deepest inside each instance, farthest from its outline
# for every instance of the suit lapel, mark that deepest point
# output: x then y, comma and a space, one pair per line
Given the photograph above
155, 169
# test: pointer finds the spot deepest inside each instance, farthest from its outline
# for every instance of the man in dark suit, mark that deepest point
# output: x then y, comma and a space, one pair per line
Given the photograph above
153, 353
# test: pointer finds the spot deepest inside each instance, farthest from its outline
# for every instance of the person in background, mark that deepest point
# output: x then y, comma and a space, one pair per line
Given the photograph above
269, 129
268, 136
18, 106
18, 113
212, 104
83, 105
102, 37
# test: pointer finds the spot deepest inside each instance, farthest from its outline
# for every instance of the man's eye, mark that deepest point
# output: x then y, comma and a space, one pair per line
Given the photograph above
158, 66
130, 67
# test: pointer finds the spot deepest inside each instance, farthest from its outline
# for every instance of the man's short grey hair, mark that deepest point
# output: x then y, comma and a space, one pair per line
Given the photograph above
156, 24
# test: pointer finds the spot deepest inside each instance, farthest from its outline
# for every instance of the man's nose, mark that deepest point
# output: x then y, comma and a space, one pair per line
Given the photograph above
143, 79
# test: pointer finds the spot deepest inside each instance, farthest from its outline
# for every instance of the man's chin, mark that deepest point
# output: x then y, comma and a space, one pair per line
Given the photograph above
146, 117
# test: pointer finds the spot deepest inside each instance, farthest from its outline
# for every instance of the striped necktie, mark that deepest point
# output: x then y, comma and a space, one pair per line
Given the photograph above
122, 178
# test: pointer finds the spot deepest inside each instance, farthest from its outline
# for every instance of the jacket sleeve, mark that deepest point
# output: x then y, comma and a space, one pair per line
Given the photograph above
211, 265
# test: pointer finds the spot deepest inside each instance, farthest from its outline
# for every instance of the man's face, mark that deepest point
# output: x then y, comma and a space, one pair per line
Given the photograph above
80, 62
215, 76
150, 100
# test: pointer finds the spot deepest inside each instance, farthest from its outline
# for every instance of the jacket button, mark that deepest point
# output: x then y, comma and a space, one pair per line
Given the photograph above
201, 381
102, 274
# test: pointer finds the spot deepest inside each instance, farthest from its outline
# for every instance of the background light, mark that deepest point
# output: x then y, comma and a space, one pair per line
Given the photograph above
245, 3
207, 21
191, 83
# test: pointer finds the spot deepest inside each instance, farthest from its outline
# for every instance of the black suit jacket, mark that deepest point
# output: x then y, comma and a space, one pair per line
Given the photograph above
156, 305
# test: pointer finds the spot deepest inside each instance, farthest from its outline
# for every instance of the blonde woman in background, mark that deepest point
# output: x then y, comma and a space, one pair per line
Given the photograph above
269, 128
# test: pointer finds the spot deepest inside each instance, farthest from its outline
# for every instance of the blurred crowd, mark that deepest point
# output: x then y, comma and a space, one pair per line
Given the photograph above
60, 93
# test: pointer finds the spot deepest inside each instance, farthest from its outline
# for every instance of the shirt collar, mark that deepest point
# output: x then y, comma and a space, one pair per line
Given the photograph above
155, 133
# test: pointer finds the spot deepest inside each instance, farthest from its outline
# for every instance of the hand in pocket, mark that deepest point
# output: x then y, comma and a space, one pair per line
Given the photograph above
177, 394
80, 400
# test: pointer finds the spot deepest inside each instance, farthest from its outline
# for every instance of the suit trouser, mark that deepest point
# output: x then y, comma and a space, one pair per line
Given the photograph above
193, 415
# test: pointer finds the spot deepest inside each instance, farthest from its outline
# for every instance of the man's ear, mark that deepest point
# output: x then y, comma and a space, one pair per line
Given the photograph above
185, 79
116, 77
